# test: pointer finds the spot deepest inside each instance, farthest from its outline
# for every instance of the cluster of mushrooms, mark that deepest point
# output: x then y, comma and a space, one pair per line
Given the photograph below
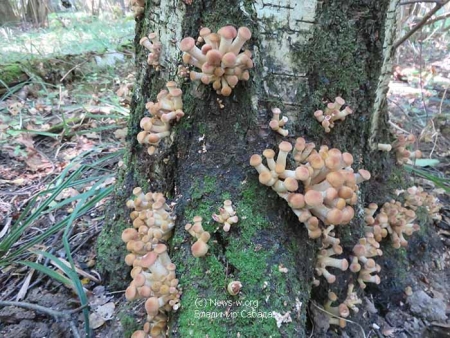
415, 197
393, 220
227, 216
168, 108
153, 272
219, 59
277, 123
328, 190
200, 247
329, 183
332, 114
153, 44
405, 156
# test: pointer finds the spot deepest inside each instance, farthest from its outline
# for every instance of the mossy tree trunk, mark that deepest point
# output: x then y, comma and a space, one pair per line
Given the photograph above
305, 53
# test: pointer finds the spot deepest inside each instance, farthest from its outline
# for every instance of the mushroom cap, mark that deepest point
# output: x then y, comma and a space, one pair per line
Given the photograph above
336, 179
176, 92
148, 260
160, 248
205, 236
204, 31
213, 57
313, 198
227, 32
316, 161
255, 160
142, 40
152, 35
273, 124
229, 59
343, 310
187, 44
129, 234
152, 306
197, 219
199, 249
276, 111
296, 201
226, 91
285, 146
291, 184
131, 292
339, 100
139, 280
244, 33
334, 216
265, 177
347, 158
269, 153
139, 334
332, 296
364, 174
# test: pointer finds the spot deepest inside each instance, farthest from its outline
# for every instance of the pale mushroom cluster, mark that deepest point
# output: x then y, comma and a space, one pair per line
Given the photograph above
200, 247
415, 197
153, 272
153, 44
219, 59
330, 247
332, 114
401, 145
394, 220
227, 216
277, 123
341, 310
363, 262
330, 185
336, 314
168, 108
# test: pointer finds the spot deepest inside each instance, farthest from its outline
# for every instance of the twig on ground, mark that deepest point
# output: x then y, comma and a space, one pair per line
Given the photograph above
345, 319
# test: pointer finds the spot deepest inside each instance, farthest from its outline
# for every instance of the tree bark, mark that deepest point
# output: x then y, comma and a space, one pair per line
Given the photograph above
36, 12
305, 53
7, 15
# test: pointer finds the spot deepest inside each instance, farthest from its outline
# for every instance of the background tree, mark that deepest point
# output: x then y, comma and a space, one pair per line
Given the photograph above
7, 15
305, 54
36, 12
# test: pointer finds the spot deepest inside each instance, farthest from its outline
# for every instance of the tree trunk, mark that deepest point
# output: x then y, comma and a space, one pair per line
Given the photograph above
7, 15
36, 12
305, 54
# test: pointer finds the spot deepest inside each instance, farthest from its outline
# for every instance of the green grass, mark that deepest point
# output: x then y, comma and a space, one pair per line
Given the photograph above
21, 242
79, 34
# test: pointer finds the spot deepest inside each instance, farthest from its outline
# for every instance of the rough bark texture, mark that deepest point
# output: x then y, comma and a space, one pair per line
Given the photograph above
305, 53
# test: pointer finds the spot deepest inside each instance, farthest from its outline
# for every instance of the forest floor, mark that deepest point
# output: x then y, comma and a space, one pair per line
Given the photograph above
62, 135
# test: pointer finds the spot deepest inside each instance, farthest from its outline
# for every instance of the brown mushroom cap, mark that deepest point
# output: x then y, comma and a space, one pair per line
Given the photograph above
187, 44
199, 249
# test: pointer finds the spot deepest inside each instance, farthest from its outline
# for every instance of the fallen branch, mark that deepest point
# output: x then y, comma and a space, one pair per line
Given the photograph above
421, 23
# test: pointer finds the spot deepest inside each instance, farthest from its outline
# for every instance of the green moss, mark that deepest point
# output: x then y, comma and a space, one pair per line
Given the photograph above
243, 254
128, 322
11, 73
